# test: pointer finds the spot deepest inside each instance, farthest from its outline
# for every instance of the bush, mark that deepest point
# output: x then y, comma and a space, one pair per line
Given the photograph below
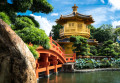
5, 18
33, 51
35, 36
92, 63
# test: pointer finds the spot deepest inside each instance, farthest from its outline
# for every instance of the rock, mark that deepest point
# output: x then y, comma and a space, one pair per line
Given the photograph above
17, 64
68, 67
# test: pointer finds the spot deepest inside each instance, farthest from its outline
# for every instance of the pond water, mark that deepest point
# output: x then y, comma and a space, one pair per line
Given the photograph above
91, 77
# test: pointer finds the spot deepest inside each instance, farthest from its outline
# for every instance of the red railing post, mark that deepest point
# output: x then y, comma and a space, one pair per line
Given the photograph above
50, 39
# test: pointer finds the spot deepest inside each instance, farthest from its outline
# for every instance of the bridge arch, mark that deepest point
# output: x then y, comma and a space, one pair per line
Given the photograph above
51, 59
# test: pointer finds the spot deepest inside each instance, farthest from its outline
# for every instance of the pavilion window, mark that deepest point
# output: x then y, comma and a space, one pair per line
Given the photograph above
71, 24
80, 25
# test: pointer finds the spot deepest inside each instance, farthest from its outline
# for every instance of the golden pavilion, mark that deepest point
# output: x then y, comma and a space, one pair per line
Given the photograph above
74, 24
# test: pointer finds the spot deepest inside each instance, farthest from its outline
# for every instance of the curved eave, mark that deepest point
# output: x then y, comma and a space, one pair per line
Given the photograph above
63, 20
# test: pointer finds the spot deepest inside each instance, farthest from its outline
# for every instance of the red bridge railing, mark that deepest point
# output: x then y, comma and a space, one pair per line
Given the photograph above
56, 46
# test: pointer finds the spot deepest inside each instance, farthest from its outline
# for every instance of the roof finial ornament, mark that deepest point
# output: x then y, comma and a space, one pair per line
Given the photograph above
75, 8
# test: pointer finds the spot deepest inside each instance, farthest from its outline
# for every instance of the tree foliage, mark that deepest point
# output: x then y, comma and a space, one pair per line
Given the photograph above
35, 36
5, 18
116, 33
33, 51
80, 45
92, 31
55, 31
93, 50
108, 49
41, 6
103, 33
22, 22
31, 18
24, 5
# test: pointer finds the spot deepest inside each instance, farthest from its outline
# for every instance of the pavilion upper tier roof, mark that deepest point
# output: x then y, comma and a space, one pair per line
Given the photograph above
75, 16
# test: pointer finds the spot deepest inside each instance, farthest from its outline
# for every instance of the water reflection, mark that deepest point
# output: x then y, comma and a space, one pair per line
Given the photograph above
91, 77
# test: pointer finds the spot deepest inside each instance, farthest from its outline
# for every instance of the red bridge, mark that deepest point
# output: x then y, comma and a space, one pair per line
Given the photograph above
51, 59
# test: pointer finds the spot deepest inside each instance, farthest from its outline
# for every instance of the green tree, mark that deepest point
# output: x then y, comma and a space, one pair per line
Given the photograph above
22, 22
116, 33
35, 36
92, 31
24, 5
108, 49
103, 33
93, 50
116, 46
55, 31
80, 45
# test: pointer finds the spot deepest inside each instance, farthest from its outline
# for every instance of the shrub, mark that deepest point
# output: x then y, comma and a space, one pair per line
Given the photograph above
33, 51
5, 18
35, 36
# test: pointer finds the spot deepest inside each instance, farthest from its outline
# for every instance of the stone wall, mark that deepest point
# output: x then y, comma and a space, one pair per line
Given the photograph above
17, 64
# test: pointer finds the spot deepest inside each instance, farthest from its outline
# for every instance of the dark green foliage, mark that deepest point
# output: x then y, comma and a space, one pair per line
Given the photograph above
5, 18
93, 50
33, 20
103, 33
116, 47
80, 44
116, 33
41, 6
21, 6
22, 22
108, 49
55, 31
92, 31
35, 36
24, 5
33, 51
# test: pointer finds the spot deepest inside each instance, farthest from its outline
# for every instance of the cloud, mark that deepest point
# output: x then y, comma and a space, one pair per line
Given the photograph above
99, 15
115, 23
103, 1
54, 14
44, 23
115, 4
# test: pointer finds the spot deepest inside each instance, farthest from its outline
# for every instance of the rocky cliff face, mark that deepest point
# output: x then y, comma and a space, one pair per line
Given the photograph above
17, 64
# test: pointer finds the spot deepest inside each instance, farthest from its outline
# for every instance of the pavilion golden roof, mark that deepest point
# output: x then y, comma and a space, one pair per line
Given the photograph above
75, 16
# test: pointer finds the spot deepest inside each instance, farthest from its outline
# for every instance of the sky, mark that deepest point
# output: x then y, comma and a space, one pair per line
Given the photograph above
102, 11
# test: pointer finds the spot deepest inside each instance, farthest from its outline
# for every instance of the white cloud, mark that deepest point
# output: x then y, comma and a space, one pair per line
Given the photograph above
99, 15
115, 4
115, 23
44, 23
54, 14
103, 1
